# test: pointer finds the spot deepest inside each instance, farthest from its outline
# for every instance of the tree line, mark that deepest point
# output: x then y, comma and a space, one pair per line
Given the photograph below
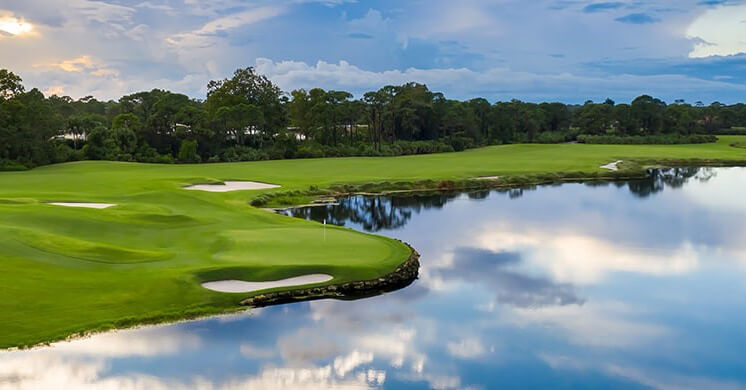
247, 117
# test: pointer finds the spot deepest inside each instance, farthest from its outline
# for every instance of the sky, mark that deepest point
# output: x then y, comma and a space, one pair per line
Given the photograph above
539, 50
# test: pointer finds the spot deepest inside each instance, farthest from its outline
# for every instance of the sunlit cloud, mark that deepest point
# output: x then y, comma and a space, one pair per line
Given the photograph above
58, 90
82, 64
719, 32
14, 26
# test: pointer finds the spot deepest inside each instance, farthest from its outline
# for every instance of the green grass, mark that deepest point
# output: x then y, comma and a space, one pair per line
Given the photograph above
66, 270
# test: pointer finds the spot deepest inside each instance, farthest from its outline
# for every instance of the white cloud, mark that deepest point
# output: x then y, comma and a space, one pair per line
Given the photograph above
719, 32
720, 192
597, 324
494, 83
667, 381
98, 11
328, 3
500, 50
469, 348
647, 377
581, 258
46, 372
204, 36
251, 352
448, 18
151, 341
85, 363
345, 364
160, 7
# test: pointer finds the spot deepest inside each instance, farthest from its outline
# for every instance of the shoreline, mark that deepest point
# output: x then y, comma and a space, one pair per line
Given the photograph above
404, 275
635, 169
406, 272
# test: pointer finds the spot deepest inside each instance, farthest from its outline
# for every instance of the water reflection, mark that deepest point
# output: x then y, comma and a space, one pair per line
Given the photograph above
376, 213
497, 270
599, 286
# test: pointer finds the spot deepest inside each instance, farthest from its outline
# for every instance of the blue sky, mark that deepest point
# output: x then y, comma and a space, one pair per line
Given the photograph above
553, 50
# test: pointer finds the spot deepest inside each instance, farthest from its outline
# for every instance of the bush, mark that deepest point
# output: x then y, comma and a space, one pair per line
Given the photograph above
101, 145
460, 143
422, 147
164, 159
361, 149
732, 131
668, 139
8, 165
310, 150
244, 153
188, 152
61, 152
553, 137
149, 155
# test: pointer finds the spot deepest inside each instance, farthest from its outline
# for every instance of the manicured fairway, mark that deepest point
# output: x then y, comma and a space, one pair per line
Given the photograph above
66, 270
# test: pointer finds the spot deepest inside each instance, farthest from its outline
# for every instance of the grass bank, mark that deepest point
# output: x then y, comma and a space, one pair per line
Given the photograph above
64, 271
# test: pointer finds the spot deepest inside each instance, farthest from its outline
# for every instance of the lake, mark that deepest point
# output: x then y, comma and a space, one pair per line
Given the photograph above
638, 284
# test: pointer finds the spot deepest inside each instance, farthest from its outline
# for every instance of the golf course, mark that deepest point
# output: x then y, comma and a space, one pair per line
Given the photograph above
70, 270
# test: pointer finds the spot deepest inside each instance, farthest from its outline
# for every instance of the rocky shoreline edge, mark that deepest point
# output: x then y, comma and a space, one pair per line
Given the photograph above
401, 277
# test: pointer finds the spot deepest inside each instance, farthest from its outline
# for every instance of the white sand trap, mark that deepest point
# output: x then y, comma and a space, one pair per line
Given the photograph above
240, 286
488, 178
229, 186
84, 205
612, 166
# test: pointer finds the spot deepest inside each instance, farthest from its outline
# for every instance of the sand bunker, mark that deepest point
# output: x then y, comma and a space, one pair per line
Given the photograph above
229, 186
84, 205
488, 178
612, 166
240, 286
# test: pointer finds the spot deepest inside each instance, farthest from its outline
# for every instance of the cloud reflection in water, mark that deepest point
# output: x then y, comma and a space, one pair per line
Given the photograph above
574, 283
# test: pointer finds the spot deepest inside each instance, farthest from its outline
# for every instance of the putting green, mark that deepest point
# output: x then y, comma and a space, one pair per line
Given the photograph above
68, 270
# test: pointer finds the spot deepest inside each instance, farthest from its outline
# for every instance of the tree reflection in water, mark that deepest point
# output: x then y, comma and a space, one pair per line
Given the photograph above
374, 213
675, 178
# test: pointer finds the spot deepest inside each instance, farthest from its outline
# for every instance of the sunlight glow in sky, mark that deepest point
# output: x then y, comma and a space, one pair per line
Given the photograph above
14, 26
554, 50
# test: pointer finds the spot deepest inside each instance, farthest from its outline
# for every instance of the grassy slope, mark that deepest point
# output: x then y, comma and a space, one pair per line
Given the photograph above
65, 270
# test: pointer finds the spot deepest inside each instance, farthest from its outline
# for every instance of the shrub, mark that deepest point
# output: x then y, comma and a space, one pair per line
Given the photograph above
553, 137
8, 165
188, 152
731, 131
668, 139
244, 153
460, 143
310, 150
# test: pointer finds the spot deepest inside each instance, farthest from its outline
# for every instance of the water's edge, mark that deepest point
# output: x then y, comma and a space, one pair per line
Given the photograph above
401, 277
408, 271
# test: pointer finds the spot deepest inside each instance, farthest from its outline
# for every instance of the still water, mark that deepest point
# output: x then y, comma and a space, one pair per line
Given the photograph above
620, 285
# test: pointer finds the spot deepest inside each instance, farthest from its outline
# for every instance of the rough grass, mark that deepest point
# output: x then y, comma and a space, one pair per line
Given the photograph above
65, 271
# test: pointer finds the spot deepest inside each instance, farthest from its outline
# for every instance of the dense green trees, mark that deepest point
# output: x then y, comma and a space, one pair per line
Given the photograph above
247, 117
